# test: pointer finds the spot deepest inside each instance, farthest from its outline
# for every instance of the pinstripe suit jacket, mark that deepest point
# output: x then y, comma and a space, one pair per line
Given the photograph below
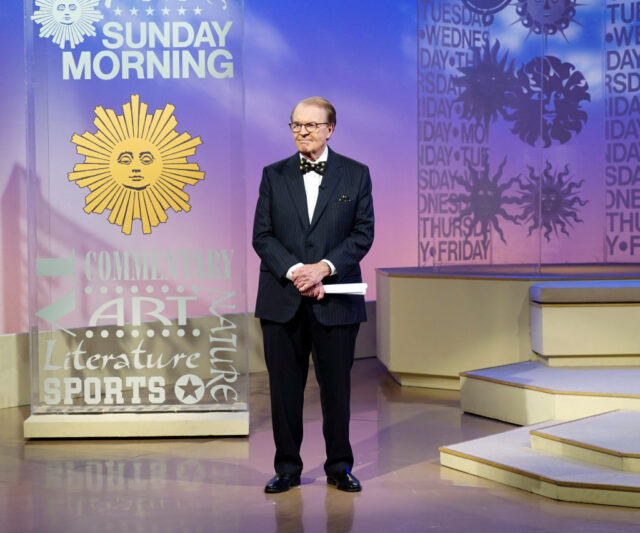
341, 231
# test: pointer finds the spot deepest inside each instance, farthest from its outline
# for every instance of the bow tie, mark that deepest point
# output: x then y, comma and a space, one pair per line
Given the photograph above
308, 166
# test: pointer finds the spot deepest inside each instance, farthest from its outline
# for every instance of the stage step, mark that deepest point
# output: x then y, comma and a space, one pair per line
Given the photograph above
586, 323
530, 392
610, 439
510, 459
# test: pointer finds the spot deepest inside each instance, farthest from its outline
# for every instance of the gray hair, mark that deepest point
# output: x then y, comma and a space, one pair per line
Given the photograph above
320, 102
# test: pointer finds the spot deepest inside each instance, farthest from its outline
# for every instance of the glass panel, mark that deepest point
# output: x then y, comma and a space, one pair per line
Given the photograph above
512, 110
471, 155
621, 130
572, 195
137, 227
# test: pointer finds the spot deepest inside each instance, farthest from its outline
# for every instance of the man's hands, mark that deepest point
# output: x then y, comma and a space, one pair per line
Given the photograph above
316, 292
308, 279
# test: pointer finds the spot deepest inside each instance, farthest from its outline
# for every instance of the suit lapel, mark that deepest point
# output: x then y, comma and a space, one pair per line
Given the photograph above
330, 181
295, 184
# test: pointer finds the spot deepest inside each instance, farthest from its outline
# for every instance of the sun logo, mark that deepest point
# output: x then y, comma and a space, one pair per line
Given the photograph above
487, 83
66, 20
136, 165
550, 201
484, 198
546, 17
548, 104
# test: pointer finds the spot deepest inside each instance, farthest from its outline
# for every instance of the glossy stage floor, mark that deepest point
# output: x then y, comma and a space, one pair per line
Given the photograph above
216, 485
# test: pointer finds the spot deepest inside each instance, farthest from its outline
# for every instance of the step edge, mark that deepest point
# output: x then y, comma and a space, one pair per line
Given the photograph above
537, 477
469, 375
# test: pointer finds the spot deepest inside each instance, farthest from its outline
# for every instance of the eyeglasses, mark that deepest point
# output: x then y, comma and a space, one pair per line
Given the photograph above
309, 126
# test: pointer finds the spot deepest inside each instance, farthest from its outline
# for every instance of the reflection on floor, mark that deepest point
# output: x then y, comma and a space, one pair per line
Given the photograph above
216, 485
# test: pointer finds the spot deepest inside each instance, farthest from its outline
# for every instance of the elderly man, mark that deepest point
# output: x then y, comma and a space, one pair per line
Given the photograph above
313, 224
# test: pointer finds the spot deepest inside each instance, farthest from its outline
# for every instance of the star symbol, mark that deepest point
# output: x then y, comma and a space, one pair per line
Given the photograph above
197, 10
117, 11
133, 11
165, 10
181, 10
149, 11
189, 389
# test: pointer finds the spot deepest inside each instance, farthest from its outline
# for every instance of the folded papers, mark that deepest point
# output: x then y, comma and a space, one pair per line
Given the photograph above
346, 288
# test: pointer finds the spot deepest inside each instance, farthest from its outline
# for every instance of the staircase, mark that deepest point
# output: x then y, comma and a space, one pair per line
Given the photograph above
590, 460
579, 400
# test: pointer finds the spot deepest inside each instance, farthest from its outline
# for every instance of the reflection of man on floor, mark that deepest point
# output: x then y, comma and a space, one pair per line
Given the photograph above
313, 224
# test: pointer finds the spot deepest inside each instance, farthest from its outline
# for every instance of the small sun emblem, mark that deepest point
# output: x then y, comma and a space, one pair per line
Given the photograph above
67, 21
485, 199
546, 17
136, 165
487, 83
551, 201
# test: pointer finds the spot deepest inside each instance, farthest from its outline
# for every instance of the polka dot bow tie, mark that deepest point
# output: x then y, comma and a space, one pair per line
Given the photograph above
308, 166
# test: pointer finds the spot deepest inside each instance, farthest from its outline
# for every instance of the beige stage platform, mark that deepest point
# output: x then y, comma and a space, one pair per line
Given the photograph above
591, 460
135, 425
531, 392
586, 323
434, 323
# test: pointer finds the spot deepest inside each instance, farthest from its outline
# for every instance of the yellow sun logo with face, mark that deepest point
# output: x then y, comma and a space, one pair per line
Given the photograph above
136, 165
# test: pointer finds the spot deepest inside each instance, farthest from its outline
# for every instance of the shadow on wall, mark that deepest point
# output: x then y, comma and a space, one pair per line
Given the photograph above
56, 235
13, 221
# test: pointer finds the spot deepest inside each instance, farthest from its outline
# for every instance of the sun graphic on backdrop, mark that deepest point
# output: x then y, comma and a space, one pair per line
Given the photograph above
136, 165
550, 200
487, 83
484, 198
67, 20
546, 17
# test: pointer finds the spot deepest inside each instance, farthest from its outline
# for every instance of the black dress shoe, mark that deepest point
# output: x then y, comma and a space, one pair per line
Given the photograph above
345, 481
282, 483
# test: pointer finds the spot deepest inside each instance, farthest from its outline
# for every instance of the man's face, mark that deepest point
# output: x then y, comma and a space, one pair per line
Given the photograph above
311, 144
135, 164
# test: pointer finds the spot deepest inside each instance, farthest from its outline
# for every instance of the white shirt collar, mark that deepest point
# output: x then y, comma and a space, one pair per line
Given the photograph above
323, 157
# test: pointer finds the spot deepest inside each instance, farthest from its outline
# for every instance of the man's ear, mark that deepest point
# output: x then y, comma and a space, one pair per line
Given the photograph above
330, 127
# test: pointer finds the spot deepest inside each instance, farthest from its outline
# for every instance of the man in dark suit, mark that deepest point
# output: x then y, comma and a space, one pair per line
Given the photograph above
313, 224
